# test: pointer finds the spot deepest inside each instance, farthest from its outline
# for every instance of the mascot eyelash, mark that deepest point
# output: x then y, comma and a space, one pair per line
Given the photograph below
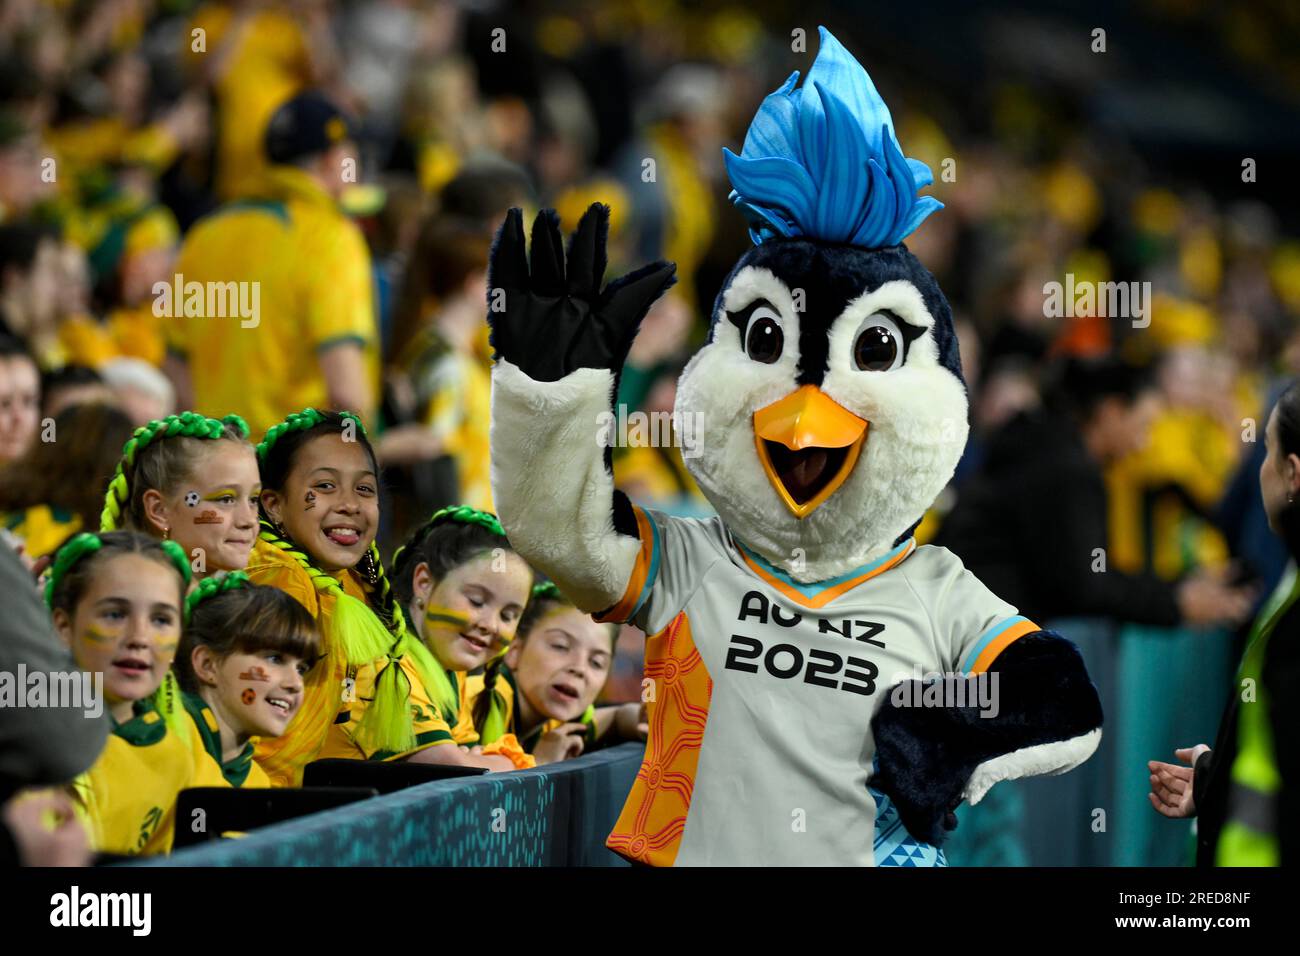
822, 160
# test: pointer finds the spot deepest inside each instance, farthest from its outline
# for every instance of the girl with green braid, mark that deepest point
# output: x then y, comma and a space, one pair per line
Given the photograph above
117, 599
464, 589
193, 480
542, 688
242, 659
320, 513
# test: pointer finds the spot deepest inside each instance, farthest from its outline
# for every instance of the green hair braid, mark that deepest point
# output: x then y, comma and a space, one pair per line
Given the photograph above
88, 542
547, 590
215, 584
76, 548
455, 514
299, 421
187, 424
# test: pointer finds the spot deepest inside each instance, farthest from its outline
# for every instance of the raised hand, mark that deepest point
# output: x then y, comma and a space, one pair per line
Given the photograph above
547, 311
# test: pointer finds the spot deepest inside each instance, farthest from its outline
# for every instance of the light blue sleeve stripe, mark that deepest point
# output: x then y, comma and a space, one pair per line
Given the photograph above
988, 638
654, 566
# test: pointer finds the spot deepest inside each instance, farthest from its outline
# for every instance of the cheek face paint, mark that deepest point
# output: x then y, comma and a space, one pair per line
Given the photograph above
96, 636
256, 672
208, 517
310, 501
446, 617
249, 696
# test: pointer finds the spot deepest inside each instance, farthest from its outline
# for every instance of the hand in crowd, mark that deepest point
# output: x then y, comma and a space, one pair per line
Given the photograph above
631, 723
1171, 784
563, 743
1206, 598
45, 830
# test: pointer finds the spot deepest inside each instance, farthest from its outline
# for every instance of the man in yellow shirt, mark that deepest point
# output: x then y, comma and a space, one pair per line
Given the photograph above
271, 308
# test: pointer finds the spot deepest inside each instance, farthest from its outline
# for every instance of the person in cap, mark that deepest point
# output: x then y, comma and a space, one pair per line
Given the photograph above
271, 306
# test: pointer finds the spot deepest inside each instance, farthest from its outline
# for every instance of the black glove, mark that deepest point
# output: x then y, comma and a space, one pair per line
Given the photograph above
548, 323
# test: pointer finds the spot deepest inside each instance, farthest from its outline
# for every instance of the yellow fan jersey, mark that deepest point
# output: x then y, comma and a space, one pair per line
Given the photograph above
260, 288
128, 798
42, 528
205, 743
284, 757
431, 728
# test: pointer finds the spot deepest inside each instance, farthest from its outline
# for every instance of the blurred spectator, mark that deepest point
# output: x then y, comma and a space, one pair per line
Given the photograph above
1032, 524
29, 285
302, 266
57, 488
20, 399
72, 385
439, 381
143, 392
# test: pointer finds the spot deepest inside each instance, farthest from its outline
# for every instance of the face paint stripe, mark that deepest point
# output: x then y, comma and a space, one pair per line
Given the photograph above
447, 616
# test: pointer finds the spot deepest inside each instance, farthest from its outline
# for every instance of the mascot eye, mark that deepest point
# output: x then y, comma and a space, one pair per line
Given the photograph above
763, 336
879, 345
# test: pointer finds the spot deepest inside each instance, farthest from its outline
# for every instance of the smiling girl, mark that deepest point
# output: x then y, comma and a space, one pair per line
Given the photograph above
543, 687
464, 590
117, 601
193, 480
241, 665
320, 513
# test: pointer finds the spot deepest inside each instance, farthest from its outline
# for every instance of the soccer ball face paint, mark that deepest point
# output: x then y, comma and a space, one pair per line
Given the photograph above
260, 692
216, 515
330, 502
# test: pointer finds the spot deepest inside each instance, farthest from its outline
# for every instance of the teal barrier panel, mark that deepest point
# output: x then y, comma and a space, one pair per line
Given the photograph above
557, 815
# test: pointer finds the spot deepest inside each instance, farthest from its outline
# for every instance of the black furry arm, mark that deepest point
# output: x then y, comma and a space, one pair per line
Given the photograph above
560, 343
1044, 716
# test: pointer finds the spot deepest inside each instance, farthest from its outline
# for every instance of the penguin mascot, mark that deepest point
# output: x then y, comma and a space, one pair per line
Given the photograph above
821, 690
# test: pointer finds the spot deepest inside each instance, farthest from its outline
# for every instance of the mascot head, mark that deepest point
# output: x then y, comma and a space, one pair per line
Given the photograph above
829, 392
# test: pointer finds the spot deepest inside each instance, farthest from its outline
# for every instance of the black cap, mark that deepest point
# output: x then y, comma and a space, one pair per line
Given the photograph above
306, 125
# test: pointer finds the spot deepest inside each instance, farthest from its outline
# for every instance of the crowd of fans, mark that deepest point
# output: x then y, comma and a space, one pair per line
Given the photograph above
344, 165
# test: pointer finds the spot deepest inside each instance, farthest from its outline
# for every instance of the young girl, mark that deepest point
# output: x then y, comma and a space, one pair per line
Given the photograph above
193, 480
117, 601
465, 590
241, 664
553, 672
320, 513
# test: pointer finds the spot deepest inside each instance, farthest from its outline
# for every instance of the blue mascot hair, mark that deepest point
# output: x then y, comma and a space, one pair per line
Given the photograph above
821, 161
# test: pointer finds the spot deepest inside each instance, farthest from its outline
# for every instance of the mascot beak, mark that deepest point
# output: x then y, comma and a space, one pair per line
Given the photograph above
808, 444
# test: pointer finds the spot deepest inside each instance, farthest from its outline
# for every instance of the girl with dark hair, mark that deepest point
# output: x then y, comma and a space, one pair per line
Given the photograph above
543, 687
1244, 792
241, 665
319, 515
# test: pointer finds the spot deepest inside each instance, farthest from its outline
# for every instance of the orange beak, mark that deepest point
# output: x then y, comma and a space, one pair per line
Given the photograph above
808, 444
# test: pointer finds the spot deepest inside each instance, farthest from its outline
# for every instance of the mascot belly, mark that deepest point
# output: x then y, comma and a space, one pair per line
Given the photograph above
792, 722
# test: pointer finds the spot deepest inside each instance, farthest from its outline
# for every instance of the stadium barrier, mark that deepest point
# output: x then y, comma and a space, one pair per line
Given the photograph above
557, 815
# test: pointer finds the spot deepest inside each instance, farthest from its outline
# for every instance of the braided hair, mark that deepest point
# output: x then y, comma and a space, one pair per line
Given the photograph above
74, 566
230, 614
160, 456
489, 708
451, 537
362, 632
